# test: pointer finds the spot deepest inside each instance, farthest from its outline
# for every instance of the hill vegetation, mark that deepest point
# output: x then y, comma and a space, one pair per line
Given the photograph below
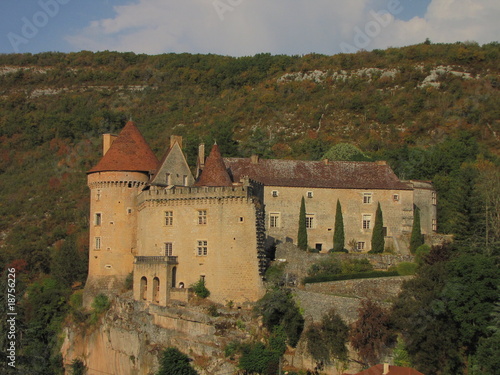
431, 110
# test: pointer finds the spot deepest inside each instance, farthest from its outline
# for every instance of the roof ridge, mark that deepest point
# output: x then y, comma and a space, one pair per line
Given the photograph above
215, 172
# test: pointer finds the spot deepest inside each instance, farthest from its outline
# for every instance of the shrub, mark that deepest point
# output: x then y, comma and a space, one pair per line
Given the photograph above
200, 289
329, 266
175, 362
101, 303
212, 310
406, 268
129, 281
78, 367
356, 266
421, 252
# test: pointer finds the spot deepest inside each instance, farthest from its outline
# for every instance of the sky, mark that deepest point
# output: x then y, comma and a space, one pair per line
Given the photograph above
241, 27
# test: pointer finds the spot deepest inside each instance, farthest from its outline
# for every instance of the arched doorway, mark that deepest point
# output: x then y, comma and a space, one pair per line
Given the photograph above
144, 288
156, 290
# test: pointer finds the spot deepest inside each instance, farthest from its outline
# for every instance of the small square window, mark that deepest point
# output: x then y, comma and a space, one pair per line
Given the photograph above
274, 193
241, 219
395, 197
367, 197
360, 246
309, 194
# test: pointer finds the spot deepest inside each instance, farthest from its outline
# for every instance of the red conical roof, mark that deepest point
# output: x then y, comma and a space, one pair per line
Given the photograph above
215, 172
129, 152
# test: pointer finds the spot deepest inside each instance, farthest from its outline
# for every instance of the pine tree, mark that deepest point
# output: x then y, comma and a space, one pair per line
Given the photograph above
302, 234
416, 235
378, 241
338, 234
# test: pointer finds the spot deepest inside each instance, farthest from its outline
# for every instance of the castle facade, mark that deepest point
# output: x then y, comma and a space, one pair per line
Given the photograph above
154, 219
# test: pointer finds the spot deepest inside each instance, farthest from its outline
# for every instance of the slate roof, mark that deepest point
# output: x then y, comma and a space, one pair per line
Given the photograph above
128, 152
316, 174
214, 173
393, 370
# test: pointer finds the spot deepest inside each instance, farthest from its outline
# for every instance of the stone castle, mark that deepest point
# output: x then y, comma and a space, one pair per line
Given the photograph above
156, 220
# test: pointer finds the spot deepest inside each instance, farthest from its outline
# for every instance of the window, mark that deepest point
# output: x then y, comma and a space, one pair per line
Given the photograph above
360, 246
169, 218
185, 180
318, 247
395, 197
310, 221
367, 197
434, 225
242, 219
434, 198
98, 243
168, 249
309, 194
98, 195
202, 217
367, 219
274, 193
98, 219
274, 220
168, 179
202, 249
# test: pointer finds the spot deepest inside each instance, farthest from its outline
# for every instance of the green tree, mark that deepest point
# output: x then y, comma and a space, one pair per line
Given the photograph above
174, 362
378, 241
278, 308
68, 264
302, 233
327, 339
338, 234
416, 239
256, 358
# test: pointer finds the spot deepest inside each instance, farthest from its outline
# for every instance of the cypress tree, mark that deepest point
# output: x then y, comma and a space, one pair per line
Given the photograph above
338, 234
378, 241
416, 239
302, 234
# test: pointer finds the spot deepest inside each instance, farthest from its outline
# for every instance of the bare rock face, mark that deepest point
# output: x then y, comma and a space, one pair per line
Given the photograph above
131, 335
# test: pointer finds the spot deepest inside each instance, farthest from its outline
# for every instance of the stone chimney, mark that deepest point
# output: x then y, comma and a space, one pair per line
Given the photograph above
107, 141
174, 139
254, 159
386, 369
201, 156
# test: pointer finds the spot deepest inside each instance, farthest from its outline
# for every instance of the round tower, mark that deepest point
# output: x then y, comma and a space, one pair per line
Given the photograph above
114, 184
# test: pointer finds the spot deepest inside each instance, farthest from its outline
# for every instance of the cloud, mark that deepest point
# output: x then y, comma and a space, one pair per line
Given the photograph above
247, 27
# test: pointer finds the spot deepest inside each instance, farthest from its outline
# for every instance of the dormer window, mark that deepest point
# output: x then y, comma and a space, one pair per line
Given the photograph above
168, 179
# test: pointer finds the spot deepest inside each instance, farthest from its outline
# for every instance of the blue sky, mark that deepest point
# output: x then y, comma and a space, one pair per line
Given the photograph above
241, 27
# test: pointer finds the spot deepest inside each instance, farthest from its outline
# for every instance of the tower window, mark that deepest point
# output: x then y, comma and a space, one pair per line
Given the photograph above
168, 249
98, 219
98, 243
202, 217
202, 249
169, 218
98, 195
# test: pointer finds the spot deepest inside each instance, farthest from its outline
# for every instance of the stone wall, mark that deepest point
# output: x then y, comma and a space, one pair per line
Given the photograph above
298, 262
